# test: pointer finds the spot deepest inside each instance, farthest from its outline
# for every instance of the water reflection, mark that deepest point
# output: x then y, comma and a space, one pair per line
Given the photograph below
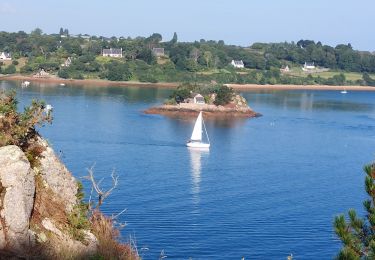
310, 100
196, 156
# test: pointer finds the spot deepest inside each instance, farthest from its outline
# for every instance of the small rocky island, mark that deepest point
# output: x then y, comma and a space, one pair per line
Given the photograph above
215, 101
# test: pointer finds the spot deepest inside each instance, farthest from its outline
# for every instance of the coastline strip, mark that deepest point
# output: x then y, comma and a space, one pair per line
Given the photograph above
172, 85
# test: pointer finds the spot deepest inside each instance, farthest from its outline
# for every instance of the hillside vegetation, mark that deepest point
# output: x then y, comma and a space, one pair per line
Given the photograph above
198, 62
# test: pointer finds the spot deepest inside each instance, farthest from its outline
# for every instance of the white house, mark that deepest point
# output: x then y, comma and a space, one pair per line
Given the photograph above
112, 52
237, 64
308, 66
5, 56
41, 74
158, 52
285, 69
67, 62
199, 99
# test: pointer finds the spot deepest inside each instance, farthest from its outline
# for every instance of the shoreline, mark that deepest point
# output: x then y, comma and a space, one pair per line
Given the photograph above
172, 85
210, 111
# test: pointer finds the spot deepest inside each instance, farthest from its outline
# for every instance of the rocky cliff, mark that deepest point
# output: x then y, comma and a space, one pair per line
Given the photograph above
35, 205
42, 212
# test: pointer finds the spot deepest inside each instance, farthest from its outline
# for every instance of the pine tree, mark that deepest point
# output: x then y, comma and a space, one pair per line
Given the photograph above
358, 235
174, 39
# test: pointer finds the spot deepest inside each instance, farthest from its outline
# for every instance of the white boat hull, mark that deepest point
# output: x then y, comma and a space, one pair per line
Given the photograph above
197, 145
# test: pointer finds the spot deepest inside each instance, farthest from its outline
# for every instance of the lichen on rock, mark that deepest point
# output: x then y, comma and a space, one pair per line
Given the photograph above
17, 198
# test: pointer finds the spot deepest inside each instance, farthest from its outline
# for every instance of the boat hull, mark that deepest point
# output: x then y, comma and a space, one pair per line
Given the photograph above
198, 145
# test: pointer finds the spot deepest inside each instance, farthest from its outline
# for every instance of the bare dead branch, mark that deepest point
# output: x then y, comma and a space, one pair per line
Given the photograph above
102, 194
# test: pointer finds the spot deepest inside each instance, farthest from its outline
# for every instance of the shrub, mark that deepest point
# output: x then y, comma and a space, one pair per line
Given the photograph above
19, 128
223, 95
10, 69
107, 235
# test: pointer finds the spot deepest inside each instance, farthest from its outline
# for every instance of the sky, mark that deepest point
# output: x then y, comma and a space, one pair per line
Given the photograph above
239, 22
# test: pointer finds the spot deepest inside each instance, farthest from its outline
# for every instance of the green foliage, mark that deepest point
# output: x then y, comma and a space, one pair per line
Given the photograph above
201, 61
118, 71
224, 95
10, 69
78, 218
78, 221
182, 92
368, 80
357, 235
19, 128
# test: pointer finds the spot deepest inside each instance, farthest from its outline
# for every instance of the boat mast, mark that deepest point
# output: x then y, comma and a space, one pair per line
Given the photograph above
204, 126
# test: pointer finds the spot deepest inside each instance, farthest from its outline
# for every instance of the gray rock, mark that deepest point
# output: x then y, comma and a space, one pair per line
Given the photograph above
18, 188
57, 176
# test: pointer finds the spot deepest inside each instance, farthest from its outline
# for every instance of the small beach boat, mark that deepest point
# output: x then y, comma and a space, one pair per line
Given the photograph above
196, 137
343, 91
62, 84
25, 84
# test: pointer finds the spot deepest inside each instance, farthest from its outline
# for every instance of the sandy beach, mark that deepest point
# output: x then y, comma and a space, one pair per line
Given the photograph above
171, 85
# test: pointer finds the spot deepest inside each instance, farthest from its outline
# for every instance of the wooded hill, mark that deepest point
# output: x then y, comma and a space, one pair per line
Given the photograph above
200, 61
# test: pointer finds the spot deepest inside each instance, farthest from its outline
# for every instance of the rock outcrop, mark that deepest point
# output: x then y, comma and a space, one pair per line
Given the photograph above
17, 198
35, 205
57, 177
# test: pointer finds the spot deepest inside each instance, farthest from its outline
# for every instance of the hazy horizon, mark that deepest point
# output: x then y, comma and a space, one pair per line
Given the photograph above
238, 22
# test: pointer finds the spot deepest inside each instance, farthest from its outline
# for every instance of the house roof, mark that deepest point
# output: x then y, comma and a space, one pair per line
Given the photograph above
112, 51
237, 62
6, 54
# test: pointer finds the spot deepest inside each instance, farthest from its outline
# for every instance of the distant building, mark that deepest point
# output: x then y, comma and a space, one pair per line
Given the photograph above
5, 56
67, 62
199, 99
42, 74
237, 64
158, 52
285, 69
308, 66
112, 52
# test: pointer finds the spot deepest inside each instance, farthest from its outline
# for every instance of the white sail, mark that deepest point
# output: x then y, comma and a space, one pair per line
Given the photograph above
197, 132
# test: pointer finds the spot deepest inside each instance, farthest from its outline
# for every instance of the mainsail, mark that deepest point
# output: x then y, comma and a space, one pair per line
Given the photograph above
197, 132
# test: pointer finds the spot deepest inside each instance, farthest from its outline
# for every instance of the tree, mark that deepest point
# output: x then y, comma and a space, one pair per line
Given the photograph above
369, 81
147, 55
10, 69
117, 71
223, 95
174, 39
207, 55
358, 235
194, 54
37, 31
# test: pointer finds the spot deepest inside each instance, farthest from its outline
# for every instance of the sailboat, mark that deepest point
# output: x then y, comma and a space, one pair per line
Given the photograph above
25, 84
196, 137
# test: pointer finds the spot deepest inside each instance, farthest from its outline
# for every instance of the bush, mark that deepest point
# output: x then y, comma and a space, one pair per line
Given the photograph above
117, 71
15, 62
19, 128
223, 95
63, 73
10, 69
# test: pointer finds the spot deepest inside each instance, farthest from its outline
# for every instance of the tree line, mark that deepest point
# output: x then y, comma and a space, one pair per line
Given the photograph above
187, 61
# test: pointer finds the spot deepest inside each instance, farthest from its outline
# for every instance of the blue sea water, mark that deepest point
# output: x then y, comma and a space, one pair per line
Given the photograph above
268, 187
